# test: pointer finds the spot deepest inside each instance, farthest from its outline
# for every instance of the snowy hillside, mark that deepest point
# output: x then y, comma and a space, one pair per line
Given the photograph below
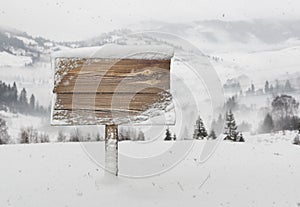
236, 50
19, 49
249, 174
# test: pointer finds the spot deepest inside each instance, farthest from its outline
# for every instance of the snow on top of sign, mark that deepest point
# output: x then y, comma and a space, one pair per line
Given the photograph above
112, 51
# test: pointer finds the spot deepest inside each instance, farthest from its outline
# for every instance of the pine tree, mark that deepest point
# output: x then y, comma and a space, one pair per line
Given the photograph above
88, 138
168, 136
23, 97
200, 131
288, 86
61, 137
252, 88
174, 137
32, 102
98, 137
230, 127
141, 136
267, 87
4, 137
14, 93
24, 136
240, 138
212, 134
296, 140
268, 124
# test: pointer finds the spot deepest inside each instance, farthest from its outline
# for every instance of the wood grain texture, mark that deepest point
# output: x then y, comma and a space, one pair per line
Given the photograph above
103, 76
109, 101
108, 91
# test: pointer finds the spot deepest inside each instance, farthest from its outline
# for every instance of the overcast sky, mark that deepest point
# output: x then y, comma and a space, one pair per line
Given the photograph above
80, 19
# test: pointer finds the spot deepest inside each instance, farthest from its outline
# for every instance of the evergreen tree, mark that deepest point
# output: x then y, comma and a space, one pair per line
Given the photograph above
98, 137
267, 87
61, 137
252, 88
24, 136
288, 86
240, 138
174, 137
268, 124
88, 138
296, 140
32, 102
168, 136
200, 131
141, 136
23, 97
230, 127
4, 137
212, 134
14, 93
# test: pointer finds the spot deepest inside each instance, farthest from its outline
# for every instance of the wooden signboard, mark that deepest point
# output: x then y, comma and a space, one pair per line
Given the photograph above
111, 85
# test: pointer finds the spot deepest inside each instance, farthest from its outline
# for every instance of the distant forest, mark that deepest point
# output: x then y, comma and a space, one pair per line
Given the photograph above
17, 102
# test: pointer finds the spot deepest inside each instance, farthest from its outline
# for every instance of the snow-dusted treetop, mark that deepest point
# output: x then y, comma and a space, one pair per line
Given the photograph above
112, 51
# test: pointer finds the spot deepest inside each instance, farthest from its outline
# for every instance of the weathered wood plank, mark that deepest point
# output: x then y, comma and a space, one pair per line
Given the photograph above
109, 101
149, 80
129, 75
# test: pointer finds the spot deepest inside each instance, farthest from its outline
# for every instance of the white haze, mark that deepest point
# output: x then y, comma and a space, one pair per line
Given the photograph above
75, 19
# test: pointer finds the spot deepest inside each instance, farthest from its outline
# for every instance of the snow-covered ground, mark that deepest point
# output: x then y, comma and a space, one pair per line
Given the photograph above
9, 60
259, 66
264, 171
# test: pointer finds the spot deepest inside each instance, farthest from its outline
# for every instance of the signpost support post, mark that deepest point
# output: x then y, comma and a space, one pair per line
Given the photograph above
111, 149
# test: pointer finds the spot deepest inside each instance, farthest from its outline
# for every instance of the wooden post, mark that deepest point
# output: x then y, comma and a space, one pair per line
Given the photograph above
111, 149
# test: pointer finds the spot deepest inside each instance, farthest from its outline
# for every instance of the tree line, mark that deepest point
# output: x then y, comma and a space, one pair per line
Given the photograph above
227, 126
283, 115
14, 101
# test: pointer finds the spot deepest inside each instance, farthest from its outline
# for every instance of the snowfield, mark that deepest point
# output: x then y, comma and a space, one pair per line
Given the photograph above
9, 60
255, 173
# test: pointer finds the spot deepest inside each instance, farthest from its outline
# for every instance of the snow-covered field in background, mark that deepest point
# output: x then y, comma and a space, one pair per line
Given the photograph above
264, 171
9, 60
259, 66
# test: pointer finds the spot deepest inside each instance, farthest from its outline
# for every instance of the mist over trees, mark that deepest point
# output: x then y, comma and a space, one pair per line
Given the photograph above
284, 111
30, 135
283, 115
130, 133
218, 125
267, 125
11, 100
